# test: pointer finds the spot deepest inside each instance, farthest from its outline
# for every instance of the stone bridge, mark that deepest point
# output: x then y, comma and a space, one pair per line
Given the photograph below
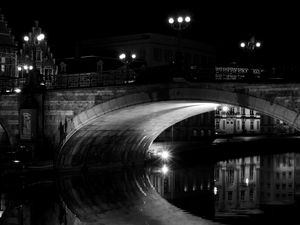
119, 123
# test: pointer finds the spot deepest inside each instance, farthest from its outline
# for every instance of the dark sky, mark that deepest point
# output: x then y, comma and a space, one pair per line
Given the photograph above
222, 25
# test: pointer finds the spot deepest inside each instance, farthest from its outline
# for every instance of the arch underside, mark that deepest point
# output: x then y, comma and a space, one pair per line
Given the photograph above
123, 135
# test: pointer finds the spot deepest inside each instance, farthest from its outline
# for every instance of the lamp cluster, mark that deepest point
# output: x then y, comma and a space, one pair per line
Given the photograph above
34, 39
126, 59
251, 45
180, 22
25, 67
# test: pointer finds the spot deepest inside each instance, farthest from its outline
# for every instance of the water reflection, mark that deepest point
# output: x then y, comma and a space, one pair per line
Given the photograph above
243, 190
119, 196
261, 188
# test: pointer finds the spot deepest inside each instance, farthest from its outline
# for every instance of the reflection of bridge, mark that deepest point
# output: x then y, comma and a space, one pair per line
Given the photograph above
89, 121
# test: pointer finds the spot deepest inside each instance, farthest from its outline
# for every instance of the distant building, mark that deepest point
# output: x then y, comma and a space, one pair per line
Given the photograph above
270, 125
8, 57
196, 128
153, 49
236, 120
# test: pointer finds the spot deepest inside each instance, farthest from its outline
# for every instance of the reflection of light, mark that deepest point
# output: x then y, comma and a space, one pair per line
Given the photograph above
1, 213
165, 155
16, 161
164, 169
17, 90
215, 190
247, 181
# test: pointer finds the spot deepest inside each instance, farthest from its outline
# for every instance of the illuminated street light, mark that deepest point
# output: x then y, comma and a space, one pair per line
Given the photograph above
179, 23
250, 45
127, 61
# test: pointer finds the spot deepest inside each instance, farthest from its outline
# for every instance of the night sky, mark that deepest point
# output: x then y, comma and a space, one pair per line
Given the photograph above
222, 25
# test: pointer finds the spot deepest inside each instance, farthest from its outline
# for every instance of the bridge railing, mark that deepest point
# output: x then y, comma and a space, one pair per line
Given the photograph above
153, 75
81, 80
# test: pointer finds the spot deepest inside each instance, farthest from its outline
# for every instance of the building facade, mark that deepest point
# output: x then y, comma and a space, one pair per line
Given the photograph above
196, 128
236, 120
8, 56
37, 53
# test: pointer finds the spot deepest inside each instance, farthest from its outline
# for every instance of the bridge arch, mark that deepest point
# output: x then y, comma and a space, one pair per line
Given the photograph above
122, 129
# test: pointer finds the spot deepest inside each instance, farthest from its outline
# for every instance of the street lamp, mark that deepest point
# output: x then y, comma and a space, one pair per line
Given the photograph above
250, 45
127, 60
179, 24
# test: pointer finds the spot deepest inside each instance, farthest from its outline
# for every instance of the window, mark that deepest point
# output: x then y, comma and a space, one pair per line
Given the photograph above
195, 132
251, 172
243, 195
230, 176
218, 124
257, 124
242, 172
251, 194
224, 126
229, 195
157, 54
202, 133
238, 123
251, 125
283, 175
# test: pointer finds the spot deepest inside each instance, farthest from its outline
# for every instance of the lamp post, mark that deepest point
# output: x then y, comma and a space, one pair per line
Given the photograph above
127, 60
31, 116
251, 46
179, 24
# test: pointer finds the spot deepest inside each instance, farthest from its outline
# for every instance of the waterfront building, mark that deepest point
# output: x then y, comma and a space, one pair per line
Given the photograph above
236, 120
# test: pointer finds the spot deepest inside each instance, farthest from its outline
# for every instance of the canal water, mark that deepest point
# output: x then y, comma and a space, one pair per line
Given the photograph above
243, 180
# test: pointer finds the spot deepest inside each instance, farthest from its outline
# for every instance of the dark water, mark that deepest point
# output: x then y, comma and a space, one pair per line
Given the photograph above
237, 181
